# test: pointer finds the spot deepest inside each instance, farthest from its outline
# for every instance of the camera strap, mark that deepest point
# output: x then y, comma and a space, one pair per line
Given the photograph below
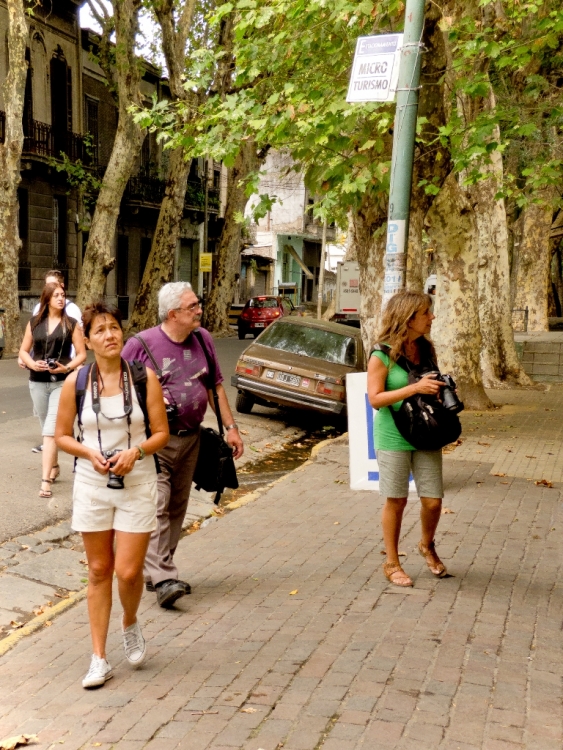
125, 384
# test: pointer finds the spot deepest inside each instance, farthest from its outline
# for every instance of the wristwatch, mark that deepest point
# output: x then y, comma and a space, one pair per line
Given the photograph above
233, 426
142, 453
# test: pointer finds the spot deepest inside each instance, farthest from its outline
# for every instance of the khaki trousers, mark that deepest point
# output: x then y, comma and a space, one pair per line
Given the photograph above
177, 464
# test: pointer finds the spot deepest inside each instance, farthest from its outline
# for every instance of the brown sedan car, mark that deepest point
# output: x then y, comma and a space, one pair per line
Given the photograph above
299, 362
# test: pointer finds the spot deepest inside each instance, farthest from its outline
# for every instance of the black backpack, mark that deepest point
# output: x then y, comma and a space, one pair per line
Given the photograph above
422, 420
139, 377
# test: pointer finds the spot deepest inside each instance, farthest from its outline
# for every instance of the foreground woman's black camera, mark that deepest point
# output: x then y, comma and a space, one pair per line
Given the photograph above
448, 394
115, 482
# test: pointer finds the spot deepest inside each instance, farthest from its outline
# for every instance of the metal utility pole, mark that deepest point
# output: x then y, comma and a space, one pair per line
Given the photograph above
403, 150
320, 288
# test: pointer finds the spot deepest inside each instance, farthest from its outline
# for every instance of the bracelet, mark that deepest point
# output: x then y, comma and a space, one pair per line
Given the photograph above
142, 453
233, 426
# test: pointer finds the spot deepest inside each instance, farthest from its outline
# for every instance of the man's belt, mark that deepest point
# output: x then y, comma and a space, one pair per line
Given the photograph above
183, 433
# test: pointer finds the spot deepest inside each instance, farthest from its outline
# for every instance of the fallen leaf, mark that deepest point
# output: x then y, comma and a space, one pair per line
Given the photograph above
84, 562
68, 574
295, 591
336, 523
15, 624
267, 445
402, 554
504, 482
96, 744
298, 445
487, 444
48, 624
25, 546
21, 739
445, 511
248, 710
544, 483
243, 432
38, 611
499, 474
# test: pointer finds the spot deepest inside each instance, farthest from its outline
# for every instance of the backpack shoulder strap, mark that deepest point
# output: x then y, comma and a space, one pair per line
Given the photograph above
149, 355
139, 376
81, 386
401, 361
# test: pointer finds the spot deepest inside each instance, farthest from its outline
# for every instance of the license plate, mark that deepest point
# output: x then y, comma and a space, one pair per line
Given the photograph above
285, 377
258, 325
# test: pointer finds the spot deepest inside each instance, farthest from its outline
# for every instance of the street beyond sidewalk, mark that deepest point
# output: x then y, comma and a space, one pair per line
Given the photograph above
292, 638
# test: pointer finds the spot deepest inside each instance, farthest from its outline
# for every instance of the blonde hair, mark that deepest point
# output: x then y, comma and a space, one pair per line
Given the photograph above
399, 311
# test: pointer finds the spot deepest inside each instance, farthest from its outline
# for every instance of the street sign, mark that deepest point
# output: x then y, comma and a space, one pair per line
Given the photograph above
205, 262
375, 70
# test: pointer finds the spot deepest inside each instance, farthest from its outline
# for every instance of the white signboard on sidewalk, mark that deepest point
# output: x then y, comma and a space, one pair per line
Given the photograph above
364, 470
375, 70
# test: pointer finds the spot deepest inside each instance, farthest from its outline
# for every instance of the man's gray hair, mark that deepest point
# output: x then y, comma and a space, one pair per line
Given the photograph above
170, 296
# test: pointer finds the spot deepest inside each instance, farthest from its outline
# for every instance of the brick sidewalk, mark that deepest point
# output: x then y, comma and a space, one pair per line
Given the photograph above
293, 640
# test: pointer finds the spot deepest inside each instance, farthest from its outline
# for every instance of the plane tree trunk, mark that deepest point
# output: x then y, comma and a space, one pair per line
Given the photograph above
456, 333
125, 76
216, 313
531, 263
10, 154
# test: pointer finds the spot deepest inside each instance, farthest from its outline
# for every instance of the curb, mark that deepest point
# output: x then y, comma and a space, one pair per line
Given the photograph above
11, 640
255, 494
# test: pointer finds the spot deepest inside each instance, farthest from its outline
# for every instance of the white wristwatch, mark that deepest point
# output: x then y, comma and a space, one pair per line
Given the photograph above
233, 426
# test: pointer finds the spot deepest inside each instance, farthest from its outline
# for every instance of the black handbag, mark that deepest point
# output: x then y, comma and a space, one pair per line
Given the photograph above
422, 420
215, 469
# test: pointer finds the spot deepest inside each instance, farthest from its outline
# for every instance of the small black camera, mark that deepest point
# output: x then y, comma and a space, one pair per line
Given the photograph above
51, 363
171, 412
115, 482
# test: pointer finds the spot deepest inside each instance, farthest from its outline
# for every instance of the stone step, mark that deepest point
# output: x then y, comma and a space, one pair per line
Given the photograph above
542, 359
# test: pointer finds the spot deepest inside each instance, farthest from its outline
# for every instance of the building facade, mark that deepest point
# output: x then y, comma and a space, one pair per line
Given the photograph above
69, 110
284, 256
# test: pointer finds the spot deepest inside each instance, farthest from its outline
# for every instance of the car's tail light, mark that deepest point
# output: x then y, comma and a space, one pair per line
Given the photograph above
276, 313
245, 314
331, 389
243, 368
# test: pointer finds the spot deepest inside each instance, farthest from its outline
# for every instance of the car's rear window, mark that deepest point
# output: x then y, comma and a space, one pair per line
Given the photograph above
311, 342
261, 303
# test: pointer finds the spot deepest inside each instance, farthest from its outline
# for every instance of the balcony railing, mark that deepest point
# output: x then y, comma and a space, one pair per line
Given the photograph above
41, 140
146, 189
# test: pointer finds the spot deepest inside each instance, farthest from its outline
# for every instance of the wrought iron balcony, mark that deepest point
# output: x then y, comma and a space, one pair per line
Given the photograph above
41, 140
149, 190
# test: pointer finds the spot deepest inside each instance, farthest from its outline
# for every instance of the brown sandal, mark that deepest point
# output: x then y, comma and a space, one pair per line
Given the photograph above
392, 569
46, 493
435, 565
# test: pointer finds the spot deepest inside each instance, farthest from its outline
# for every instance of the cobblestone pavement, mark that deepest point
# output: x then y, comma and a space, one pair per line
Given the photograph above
293, 640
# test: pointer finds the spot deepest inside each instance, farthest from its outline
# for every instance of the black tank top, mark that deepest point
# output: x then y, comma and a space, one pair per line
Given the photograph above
56, 345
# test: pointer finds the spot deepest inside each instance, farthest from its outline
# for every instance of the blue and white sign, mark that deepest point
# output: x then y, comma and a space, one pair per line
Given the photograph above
375, 70
364, 470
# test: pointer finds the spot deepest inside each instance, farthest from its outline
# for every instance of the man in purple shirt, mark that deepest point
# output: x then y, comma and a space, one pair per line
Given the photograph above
180, 363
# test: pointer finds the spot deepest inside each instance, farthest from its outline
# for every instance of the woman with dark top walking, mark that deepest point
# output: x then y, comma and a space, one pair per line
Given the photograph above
50, 336
407, 320
114, 498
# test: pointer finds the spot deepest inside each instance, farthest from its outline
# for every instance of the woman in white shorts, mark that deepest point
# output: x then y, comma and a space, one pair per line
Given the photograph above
407, 320
116, 512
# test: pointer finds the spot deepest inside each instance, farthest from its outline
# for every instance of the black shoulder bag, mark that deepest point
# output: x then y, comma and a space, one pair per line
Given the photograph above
215, 469
422, 420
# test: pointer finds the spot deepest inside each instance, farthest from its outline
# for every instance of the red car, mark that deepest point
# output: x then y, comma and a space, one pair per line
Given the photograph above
259, 312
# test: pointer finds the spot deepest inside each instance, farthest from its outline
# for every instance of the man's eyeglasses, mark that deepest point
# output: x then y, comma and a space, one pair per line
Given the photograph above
190, 308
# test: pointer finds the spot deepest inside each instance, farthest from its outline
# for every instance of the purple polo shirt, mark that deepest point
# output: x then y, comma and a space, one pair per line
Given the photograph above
184, 368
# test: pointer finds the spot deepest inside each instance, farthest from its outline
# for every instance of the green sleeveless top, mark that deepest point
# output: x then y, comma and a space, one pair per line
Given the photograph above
386, 436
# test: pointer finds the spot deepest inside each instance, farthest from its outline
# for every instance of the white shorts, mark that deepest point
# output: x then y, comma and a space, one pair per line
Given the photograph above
96, 508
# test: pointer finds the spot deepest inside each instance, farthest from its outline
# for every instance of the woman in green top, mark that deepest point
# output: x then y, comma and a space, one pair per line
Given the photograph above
407, 319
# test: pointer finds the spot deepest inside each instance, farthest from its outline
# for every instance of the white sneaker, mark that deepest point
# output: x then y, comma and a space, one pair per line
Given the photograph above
98, 674
134, 644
